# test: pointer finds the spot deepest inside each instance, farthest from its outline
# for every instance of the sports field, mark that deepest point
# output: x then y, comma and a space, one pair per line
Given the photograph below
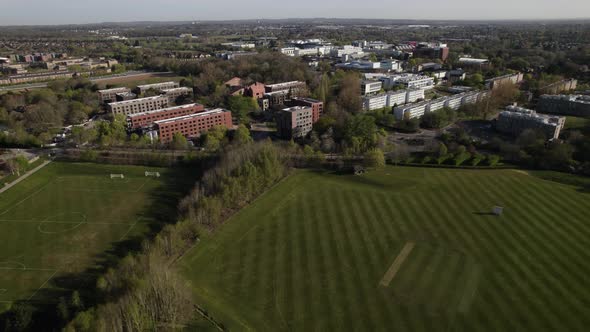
67, 219
403, 249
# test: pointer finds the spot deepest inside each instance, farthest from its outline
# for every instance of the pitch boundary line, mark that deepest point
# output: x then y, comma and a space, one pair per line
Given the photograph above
26, 269
42, 285
64, 222
397, 263
29, 196
129, 230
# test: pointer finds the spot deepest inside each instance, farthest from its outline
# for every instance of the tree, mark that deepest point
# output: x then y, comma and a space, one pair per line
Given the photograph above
240, 106
179, 142
374, 158
350, 91
242, 135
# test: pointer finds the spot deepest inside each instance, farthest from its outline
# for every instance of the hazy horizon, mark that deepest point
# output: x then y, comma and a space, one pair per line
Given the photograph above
42, 12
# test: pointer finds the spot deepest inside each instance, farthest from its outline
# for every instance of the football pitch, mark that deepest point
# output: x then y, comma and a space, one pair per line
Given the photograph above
403, 249
66, 219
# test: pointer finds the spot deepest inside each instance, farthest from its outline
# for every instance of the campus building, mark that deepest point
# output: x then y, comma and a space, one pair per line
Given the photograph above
294, 122
146, 119
255, 90
496, 82
514, 120
558, 87
110, 95
317, 106
432, 51
296, 88
575, 105
454, 102
140, 105
174, 93
392, 98
193, 125
370, 87
157, 87
39, 77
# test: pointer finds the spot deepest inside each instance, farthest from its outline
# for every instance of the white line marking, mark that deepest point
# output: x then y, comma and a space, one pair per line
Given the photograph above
42, 285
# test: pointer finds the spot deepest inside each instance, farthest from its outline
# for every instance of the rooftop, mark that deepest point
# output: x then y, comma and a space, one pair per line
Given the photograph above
154, 85
123, 89
164, 110
133, 101
296, 108
192, 116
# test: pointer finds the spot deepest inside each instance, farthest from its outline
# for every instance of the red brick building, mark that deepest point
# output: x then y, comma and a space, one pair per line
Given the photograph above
255, 90
193, 125
317, 106
145, 119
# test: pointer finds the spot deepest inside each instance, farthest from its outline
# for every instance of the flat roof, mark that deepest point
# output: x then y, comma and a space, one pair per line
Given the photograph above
296, 108
183, 88
190, 116
114, 90
155, 84
164, 110
133, 101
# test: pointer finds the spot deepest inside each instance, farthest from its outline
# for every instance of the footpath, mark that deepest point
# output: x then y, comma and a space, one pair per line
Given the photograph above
26, 175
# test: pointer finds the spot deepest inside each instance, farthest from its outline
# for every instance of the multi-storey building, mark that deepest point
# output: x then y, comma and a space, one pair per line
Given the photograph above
557, 87
174, 93
391, 99
296, 88
122, 96
317, 106
410, 111
496, 82
255, 90
432, 51
413, 95
141, 89
147, 119
193, 125
416, 82
294, 122
110, 95
370, 87
454, 102
575, 105
514, 120
39, 77
140, 105
274, 98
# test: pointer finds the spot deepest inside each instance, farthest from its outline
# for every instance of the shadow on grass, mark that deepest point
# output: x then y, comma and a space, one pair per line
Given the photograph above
175, 185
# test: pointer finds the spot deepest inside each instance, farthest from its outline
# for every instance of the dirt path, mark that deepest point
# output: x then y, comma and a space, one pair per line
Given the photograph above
26, 175
397, 263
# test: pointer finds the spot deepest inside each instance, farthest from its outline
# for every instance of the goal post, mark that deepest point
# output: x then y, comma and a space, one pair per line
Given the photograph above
117, 176
154, 174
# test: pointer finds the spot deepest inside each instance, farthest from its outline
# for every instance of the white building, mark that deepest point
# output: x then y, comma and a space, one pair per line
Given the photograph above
375, 102
416, 82
346, 50
414, 94
410, 111
391, 99
435, 105
370, 87
396, 98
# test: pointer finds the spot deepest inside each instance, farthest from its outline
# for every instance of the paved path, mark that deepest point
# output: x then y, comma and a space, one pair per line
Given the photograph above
26, 175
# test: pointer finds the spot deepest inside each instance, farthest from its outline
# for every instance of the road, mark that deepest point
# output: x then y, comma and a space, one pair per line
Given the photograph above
26, 175
99, 79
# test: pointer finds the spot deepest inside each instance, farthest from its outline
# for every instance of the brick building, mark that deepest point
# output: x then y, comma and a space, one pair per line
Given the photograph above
255, 90
317, 106
193, 125
146, 119
140, 105
174, 93
157, 87
294, 122
110, 95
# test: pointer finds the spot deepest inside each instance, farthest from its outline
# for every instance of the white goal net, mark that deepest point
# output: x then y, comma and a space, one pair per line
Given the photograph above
117, 176
155, 174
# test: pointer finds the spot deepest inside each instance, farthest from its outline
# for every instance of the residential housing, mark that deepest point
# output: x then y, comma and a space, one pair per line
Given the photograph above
146, 119
370, 87
416, 110
193, 125
574, 105
496, 82
140, 105
157, 87
514, 120
110, 95
174, 93
317, 106
294, 122
392, 99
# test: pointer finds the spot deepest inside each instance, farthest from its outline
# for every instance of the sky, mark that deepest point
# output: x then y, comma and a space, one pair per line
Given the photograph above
40, 12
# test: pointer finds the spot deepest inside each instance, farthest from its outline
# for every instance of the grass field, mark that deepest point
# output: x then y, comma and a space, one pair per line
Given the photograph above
404, 249
69, 219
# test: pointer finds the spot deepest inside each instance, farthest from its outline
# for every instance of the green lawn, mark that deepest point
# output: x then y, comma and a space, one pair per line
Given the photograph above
310, 255
67, 219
